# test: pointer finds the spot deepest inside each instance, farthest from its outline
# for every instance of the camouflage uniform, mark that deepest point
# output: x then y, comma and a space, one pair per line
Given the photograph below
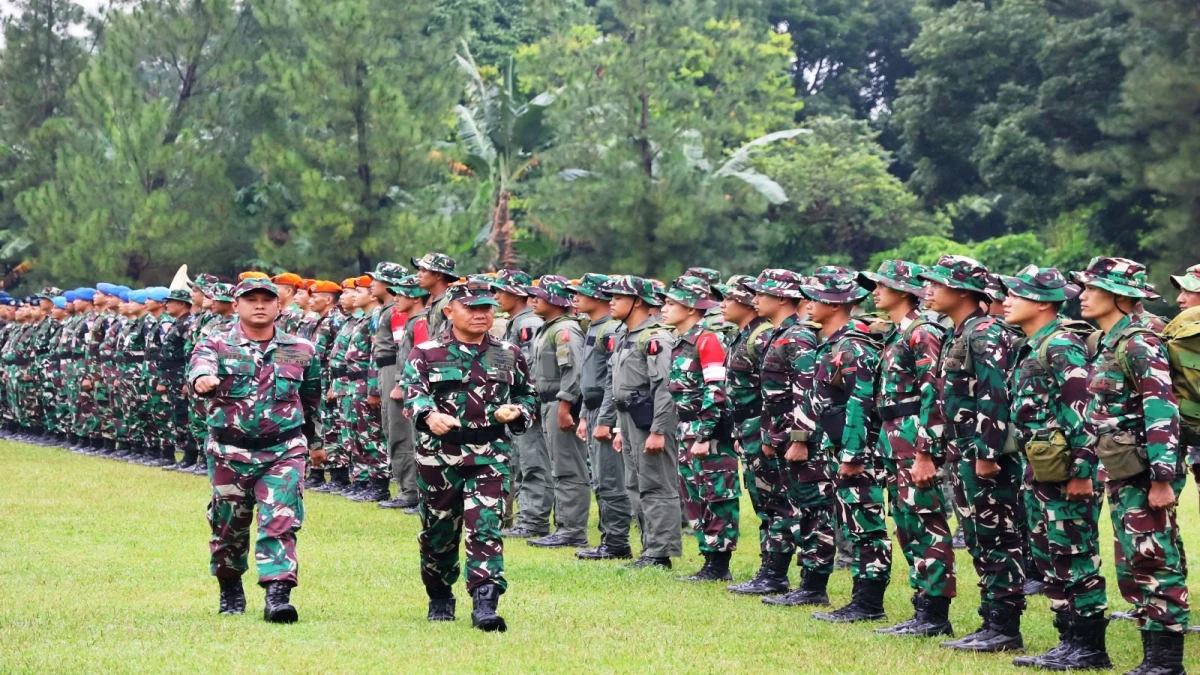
256, 447
132, 386
362, 433
173, 355
337, 454
401, 433
389, 328
86, 422
462, 476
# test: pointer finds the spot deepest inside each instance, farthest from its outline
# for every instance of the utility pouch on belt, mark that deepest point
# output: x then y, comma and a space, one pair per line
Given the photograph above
1049, 457
1122, 456
640, 407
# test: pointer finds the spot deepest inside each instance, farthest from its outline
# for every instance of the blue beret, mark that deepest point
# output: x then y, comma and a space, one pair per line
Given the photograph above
157, 293
88, 294
107, 288
69, 296
60, 302
123, 294
138, 296
4, 294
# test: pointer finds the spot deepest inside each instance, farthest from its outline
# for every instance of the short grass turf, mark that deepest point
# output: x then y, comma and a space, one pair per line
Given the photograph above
104, 568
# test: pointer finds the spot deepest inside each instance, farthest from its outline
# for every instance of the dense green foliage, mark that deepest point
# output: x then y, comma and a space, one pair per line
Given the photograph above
637, 136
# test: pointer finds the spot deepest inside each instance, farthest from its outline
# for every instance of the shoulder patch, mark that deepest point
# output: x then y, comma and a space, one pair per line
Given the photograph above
654, 347
525, 334
429, 344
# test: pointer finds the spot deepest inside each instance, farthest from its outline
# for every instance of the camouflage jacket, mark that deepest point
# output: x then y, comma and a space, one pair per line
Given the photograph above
337, 379
697, 383
1054, 396
787, 384
908, 389
557, 356
713, 321
216, 324
1136, 396
468, 382
153, 332
290, 319
355, 373
173, 353
975, 401
743, 377
843, 398
110, 345
265, 389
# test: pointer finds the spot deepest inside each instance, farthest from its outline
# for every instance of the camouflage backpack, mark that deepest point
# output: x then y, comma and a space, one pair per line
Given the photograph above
1182, 336
1086, 332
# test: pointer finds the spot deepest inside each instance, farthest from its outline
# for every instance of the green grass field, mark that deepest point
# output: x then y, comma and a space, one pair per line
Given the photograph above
104, 568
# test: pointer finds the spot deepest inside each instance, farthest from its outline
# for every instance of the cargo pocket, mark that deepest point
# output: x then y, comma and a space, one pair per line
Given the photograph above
287, 381
719, 480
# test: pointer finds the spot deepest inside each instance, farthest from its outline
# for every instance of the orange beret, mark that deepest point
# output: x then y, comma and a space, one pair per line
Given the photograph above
252, 275
325, 287
287, 279
363, 282
349, 283
307, 284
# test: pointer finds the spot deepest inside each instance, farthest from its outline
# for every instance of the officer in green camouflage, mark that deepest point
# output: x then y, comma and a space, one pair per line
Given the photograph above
466, 392
173, 355
975, 406
714, 320
1133, 414
910, 445
1049, 395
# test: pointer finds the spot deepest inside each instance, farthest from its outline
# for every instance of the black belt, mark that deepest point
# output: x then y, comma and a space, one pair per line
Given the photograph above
384, 361
897, 410
956, 430
340, 371
548, 396
256, 442
479, 436
173, 363
744, 414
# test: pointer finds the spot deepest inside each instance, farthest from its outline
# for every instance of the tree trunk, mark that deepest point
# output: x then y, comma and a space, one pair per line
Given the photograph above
502, 228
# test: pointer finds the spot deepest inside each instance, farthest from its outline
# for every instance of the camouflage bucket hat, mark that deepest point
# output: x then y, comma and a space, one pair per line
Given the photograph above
388, 273
691, 292
898, 275
204, 281
778, 283
660, 290
437, 262
49, 293
516, 282
834, 285
1188, 281
553, 289
592, 285
181, 295
255, 284
633, 286
473, 294
407, 287
995, 289
709, 275
737, 288
958, 271
1119, 276
1040, 284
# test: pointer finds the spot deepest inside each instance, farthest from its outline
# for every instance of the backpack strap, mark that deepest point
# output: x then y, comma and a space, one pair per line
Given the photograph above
754, 335
1122, 342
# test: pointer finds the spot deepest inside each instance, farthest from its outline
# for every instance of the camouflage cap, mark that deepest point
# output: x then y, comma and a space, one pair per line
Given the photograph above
958, 271
779, 283
516, 282
633, 286
553, 289
737, 288
1119, 276
995, 288
1040, 284
709, 275
1188, 281
437, 262
898, 275
407, 287
180, 295
834, 285
660, 290
204, 281
388, 273
691, 291
592, 285
255, 284
473, 294
49, 293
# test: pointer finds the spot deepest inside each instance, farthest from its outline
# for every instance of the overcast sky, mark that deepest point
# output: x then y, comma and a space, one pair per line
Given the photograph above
91, 6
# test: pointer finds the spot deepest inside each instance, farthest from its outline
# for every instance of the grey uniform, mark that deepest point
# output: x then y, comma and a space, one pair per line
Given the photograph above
531, 475
437, 318
397, 429
641, 368
558, 356
607, 465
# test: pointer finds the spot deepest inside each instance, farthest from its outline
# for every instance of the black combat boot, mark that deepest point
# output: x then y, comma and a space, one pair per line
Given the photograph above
866, 603
398, 502
716, 568
316, 478
605, 552
1066, 643
648, 561
376, 490
278, 608
1163, 654
484, 616
233, 598
772, 576
339, 479
1088, 650
1002, 632
933, 620
108, 447
441, 604
811, 592
166, 456
971, 637
918, 603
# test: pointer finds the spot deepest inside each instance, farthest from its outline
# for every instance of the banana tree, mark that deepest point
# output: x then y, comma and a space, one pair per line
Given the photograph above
501, 133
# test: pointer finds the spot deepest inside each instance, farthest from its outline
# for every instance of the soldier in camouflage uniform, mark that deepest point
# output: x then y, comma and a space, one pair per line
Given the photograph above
337, 455
324, 298
262, 387
466, 392
86, 420
910, 446
604, 333
533, 487
708, 462
1134, 418
174, 334
975, 407
435, 273
292, 315
713, 319
410, 301
1049, 395
557, 352
389, 329
99, 363
158, 407
640, 370
362, 431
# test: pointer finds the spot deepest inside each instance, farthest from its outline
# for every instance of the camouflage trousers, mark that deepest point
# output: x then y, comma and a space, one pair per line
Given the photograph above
1151, 566
990, 515
864, 524
923, 531
362, 440
108, 401
711, 493
453, 499
158, 417
333, 424
277, 487
86, 413
767, 486
1065, 544
813, 520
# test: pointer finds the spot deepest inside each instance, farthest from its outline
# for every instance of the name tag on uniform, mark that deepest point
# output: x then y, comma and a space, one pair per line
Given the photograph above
292, 357
502, 359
